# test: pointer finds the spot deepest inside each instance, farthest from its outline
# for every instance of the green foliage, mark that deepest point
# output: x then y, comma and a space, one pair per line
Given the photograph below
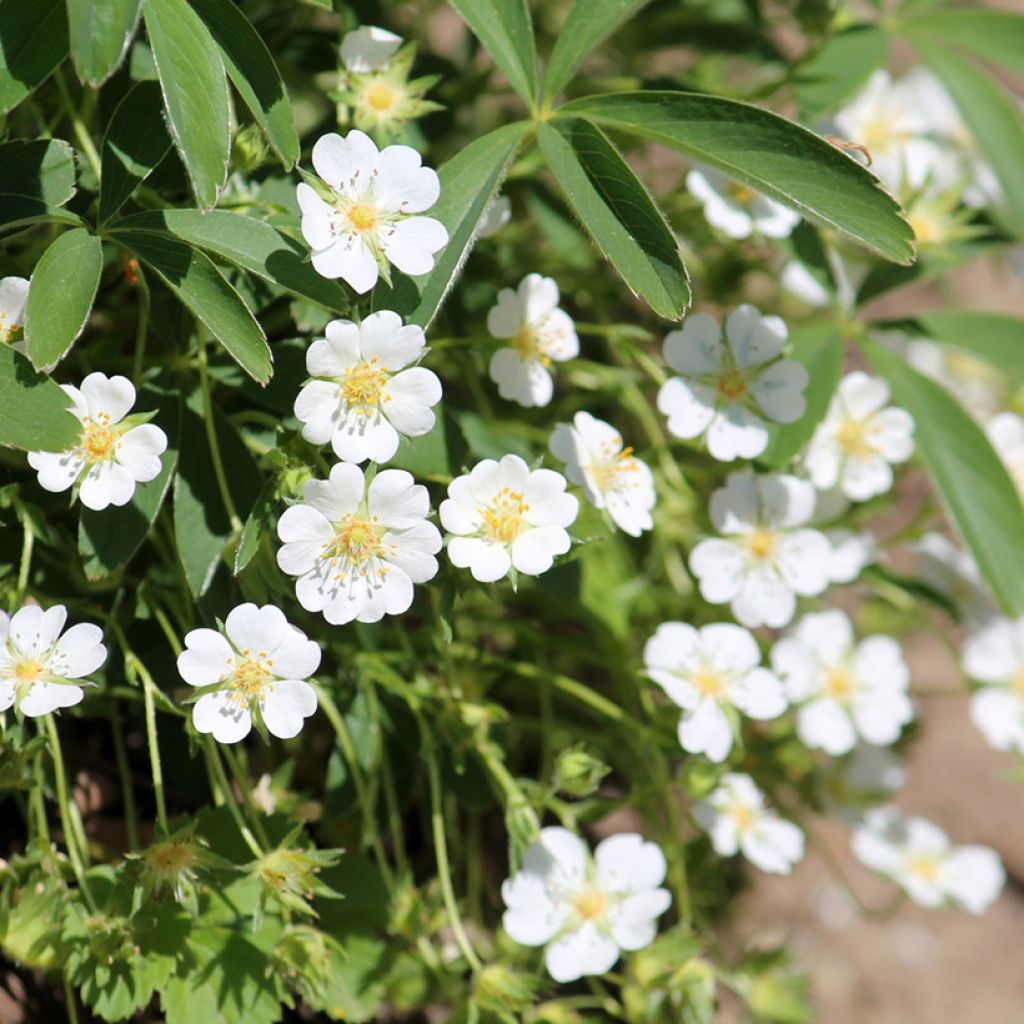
35, 416
504, 27
100, 31
33, 42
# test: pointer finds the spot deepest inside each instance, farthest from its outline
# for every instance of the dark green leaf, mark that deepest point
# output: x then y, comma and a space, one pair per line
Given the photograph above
974, 486
33, 42
60, 297
765, 151
615, 208
840, 68
257, 525
992, 35
17, 212
195, 90
100, 31
998, 338
504, 27
33, 410
43, 169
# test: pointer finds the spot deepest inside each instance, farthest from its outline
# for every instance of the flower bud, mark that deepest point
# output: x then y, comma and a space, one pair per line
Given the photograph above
579, 773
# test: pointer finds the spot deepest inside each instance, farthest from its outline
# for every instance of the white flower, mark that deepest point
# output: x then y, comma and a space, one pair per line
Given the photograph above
370, 219
585, 910
801, 283
847, 689
496, 216
763, 560
736, 819
37, 664
1006, 434
994, 655
357, 550
111, 457
365, 390
13, 296
610, 475
503, 516
859, 440
851, 553
918, 856
954, 573
258, 665
540, 333
737, 210
368, 48
726, 387
707, 672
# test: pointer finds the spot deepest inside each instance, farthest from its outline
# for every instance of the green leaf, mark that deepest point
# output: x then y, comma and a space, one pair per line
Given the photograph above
250, 244
17, 212
998, 338
469, 181
618, 213
994, 119
589, 22
820, 348
108, 540
254, 74
195, 90
996, 36
33, 42
256, 525
61, 295
766, 152
840, 68
192, 276
979, 496
504, 27
42, 169
36, 416
135, 142
100, 31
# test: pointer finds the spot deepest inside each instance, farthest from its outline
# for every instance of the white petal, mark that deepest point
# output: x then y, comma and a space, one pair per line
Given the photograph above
697, 349
412, 242
382, 337
534, 551
139, 451
999, 715
348, 258
410, 395
526, 382
720, 567
111, 397
759, 694
804, 560
368, 48
207, 658
735, 433
634, 921
754, 339
79, 652
764, 600
626, 863
779, 391
402, 184
57, 471
252, 629
974, 877
340, 160
774, 846
537, 295
487, 562
581, 953
34, 630
706, 730
336, 352
689, 406
218, 714
106, 483
506, 317
362, 438
43, 698
861, 394
396, 500
825, 725
296, 657
285, 706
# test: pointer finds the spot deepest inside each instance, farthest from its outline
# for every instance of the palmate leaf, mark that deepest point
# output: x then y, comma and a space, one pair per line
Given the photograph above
33, 409
505, 29
40, 169
99, 32
33, 42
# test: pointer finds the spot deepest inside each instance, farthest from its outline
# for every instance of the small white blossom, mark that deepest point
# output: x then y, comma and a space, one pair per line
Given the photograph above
919, 857
726, 387
586, 910
801, 283
371, 217
1006, 433
851, 553
708, 673
860, 439
977, 385
496, 216
994, 656
736, 819
763, 558
365, 390
13, 296
847, 689
540, 333
953, 572
502, 516
111, 457
738, 210
258, 666
357, 551
610, 475
37, 664
368, 48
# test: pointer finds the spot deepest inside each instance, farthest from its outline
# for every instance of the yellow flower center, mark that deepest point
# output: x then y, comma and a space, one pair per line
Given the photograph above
172, 858
853, 439
925, 866
503, 517
99, 439
1017, 684
709, 682
362, 217
380, 97
606, 472
743, 816
527, 343
8, 332
591, 904
249, 677
760, 543
732, 384
27, 671
881, 135
363, 386
739, 193
357, 543
839, 683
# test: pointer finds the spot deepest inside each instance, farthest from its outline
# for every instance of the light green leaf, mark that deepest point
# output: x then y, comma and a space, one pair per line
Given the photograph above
61, 294
195, 89
191, 275
42, 169
35, 410
998, 338
618, 213
979, 496
468, 183
589, 22
33, 42
505, 29
136, 141
257, 525
996, 36
99, 32
840, 68
767, 152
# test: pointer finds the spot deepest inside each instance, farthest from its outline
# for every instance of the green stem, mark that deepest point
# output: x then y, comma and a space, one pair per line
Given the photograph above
81, 132
390, 794
27, 542
142, 331
127, 789
230, 799
245, 788
211, 437
69, 999
154, 751
39, 799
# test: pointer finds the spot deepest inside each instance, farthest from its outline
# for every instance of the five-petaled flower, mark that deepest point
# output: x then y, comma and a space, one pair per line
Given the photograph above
584, 909
738, 210
365, 390
258, 665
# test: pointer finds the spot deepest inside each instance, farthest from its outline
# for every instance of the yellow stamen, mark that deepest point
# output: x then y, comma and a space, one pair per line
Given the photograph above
607, 472
248, 679
362, 217
503, 517
732, 384
27, 671
853, 438
839, 683
380, 97
591, 904
709, 682
925, 866
99, 439
743, 816
760, 543
363, 386
739, 193
527, 343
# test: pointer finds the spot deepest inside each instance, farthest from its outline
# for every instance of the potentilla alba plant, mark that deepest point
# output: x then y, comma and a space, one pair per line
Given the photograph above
540, 334
115, 451
13, 296
364, 214
737, 210
728, 386
503, 516
766, 556
39, 668
366, 391
712, 673
920, 858
994, 656
358, 550
846, 689
254, 668
586, 910
737, 821
611, 476
860, 439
